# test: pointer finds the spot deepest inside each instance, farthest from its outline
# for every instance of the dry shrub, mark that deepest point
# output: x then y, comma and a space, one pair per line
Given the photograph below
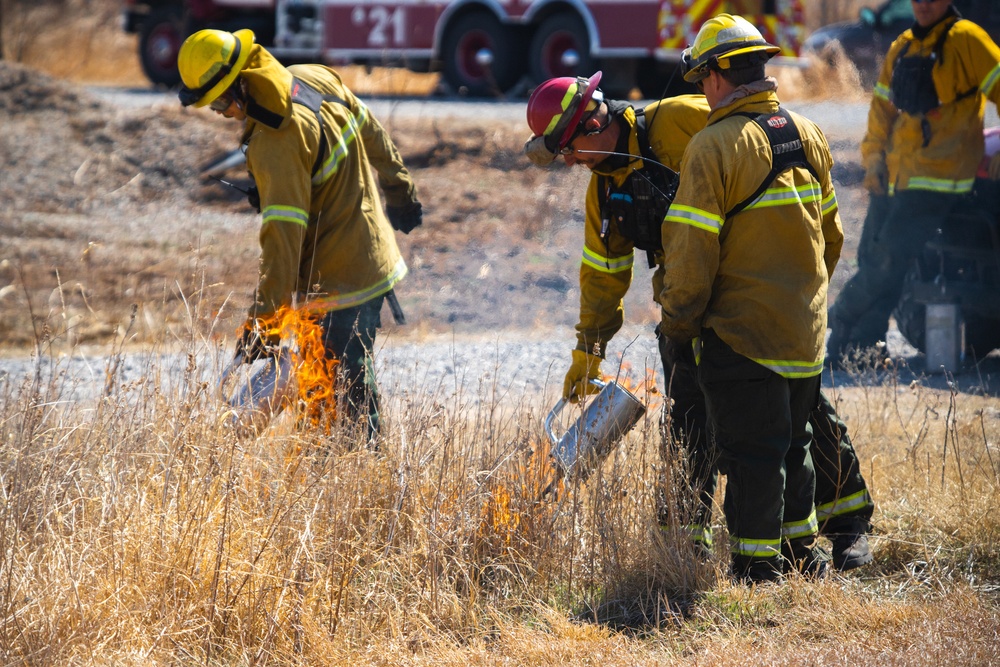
81, 40
827, 76
832, 11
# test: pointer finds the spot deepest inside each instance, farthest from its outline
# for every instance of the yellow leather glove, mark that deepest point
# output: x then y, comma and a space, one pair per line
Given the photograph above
585, 367
995, 167
877, 178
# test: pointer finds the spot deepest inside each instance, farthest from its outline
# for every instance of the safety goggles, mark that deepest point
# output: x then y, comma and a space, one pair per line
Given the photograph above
222, 102
568, 148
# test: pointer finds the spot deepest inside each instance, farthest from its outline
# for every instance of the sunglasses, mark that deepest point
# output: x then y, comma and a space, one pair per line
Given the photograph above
568, 148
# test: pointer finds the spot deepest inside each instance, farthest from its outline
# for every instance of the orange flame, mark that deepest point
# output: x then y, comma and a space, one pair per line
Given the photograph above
514, 511
646, 389
315, 372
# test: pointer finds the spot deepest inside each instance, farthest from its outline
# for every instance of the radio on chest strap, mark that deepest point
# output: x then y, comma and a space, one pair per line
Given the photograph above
637, 207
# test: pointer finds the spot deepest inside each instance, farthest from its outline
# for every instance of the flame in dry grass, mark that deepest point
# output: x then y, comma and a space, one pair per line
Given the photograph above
645, 389
516, 504
315, 372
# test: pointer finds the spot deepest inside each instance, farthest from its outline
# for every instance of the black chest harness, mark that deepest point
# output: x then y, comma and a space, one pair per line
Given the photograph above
912, 88
786, 151
637, 206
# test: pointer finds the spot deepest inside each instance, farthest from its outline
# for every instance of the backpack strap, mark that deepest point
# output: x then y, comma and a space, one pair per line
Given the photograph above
312, 99
786, 151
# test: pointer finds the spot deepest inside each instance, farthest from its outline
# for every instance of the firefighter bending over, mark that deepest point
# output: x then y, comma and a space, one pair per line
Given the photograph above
633, 155
325, 242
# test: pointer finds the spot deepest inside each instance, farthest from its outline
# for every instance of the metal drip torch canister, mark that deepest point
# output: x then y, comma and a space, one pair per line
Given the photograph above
258, 392
944, 337
605, 420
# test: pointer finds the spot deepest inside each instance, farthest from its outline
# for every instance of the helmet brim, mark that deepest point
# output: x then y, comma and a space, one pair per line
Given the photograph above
696, 74
246, 39
581, 108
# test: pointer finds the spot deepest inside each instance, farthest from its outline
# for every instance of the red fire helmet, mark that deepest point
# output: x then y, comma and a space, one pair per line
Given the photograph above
556, 107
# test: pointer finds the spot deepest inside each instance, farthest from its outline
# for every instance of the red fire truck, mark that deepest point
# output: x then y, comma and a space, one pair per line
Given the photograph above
481, 47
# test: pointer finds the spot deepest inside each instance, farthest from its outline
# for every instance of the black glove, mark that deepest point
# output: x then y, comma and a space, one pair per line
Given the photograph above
253, 196
253, 347
405, 218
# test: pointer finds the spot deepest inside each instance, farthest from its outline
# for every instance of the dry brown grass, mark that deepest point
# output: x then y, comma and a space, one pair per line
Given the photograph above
135, 531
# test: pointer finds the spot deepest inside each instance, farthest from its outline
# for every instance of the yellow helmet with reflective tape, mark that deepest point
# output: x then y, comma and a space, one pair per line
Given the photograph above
721, 39
209, 61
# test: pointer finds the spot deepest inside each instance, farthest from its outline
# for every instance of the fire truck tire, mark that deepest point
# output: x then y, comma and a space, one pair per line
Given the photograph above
160, 40
481, 56
560, 47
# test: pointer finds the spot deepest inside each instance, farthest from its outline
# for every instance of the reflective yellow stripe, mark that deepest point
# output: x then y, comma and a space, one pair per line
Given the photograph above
881, 91
699, 534
348, 133
351, 299
991, 80
845, 505
607, 264
792, 369
940, 184
285, 214
830, 203
788, 195
689, 215
564, 104
745, 546
795, 529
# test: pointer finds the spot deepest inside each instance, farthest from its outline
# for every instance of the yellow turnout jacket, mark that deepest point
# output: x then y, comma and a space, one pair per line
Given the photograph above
324, 235
759, 278
939, 150
606, 267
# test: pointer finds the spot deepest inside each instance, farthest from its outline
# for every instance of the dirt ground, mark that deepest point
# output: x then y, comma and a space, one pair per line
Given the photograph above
108, 229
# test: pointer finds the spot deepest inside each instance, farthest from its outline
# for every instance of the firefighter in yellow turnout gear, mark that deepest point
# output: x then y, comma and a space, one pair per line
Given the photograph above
571, 118
749, 244
325, 241
921, 151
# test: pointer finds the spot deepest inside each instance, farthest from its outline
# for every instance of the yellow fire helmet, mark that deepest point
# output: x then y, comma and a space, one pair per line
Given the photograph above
209, 61
721, 39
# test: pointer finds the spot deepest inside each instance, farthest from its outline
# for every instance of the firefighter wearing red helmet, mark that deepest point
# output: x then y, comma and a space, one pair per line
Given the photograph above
749, 243
570, 117
326, 245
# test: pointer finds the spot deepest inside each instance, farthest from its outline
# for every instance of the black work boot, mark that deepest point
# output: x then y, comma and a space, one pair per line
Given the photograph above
750, 571
803, 556
850, 544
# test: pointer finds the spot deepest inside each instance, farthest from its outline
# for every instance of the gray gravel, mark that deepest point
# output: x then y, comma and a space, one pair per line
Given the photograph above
501, 368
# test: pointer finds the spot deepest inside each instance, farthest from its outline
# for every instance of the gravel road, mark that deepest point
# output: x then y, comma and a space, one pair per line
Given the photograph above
530, 364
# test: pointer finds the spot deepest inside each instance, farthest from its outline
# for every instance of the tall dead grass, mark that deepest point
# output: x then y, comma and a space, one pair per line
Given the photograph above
136, 530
